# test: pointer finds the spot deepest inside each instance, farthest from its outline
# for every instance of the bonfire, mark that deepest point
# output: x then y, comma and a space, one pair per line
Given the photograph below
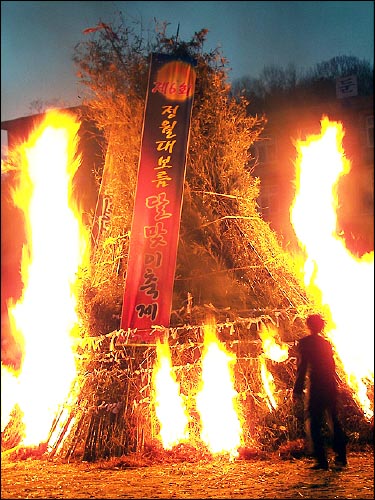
218, 381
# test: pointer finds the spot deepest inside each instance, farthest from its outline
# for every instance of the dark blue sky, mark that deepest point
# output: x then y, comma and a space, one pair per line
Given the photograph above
37, 38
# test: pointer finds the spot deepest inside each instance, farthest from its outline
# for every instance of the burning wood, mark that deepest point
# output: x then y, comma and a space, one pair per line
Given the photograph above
202, 394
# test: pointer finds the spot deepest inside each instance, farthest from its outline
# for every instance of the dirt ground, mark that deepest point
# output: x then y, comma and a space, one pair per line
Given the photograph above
269, 477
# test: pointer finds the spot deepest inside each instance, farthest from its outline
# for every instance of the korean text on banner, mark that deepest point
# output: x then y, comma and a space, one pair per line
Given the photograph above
151, 266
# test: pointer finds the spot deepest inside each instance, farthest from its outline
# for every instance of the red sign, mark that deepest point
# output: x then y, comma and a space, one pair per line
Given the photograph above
156, 218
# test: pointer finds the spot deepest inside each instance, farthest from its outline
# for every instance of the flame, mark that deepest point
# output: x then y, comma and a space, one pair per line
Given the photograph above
268, 384
337, 279
169, 405
45, 316
216, 400
274, 351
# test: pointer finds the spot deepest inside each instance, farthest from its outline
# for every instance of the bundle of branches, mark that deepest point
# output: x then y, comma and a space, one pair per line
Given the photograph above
227, 255
229, 260
116, 412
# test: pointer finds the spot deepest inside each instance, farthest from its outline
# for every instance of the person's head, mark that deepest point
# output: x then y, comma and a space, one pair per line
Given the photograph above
315, 323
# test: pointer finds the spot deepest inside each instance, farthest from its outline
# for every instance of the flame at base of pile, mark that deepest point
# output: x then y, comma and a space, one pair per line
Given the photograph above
45, 316
215, 401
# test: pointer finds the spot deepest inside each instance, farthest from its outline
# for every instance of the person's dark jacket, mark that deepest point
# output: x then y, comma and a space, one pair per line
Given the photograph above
315, 359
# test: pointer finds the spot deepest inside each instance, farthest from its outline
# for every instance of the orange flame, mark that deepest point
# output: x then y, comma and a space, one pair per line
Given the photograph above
169, 405
337, 279
216, 400
268, 384
45, 316
274, 351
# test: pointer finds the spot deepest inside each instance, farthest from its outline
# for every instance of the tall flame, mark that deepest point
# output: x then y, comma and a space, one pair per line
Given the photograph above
45, 316
336, 278
216, 400
169, 404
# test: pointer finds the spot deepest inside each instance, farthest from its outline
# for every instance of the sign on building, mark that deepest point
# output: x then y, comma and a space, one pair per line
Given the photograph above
346, 86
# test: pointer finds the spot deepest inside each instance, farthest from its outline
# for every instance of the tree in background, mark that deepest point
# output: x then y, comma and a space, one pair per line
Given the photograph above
276, 86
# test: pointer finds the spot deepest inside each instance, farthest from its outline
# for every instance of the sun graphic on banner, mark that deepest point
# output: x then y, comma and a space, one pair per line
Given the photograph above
176, 80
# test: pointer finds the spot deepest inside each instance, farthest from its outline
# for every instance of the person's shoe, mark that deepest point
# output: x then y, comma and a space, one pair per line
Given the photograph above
320, 466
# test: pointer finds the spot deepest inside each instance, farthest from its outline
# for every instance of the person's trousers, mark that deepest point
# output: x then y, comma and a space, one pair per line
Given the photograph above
320, 414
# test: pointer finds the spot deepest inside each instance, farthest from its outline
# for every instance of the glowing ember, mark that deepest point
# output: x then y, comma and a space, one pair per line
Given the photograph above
169, 405
336, 278
216, 400
56, 244
274, 351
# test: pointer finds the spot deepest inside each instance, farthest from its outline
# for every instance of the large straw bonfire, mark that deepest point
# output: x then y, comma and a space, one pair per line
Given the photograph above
234, 286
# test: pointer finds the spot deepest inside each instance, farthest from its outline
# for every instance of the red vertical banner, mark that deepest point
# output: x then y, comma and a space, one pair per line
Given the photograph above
155, 229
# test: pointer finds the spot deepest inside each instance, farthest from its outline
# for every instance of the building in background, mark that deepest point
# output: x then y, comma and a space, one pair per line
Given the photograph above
275, 154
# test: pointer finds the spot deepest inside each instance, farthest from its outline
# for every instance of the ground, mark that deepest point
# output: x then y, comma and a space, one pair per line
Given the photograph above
268, 477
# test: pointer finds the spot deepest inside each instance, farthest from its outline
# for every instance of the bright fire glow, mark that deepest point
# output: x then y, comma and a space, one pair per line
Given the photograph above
169, 404
274, 351
268, 384
221, 428
45, 315
9, 388
336, 278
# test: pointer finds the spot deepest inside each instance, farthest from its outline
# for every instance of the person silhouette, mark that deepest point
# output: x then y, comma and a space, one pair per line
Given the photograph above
315, 363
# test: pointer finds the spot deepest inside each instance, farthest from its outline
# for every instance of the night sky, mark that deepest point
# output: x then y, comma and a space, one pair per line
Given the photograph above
37, 38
